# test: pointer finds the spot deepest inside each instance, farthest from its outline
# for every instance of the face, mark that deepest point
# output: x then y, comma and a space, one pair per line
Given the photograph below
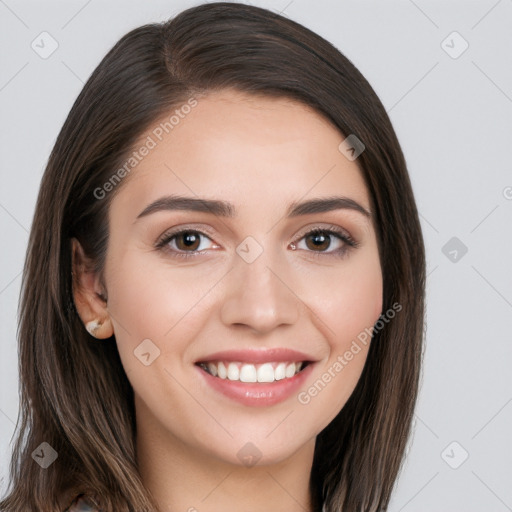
234, 319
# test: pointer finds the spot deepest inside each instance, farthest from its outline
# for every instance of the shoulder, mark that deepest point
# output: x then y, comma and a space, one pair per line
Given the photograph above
82, 503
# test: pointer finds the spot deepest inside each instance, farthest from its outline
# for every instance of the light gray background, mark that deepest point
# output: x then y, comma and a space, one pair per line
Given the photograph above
453, 117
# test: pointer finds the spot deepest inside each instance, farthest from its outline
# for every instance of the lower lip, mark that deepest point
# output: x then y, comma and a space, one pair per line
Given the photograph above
258, 393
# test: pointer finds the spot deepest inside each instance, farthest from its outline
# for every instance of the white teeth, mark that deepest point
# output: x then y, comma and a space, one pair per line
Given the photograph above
266, 373
246, 372
290, 370
213, 369
233, 372
221, 370
280, 371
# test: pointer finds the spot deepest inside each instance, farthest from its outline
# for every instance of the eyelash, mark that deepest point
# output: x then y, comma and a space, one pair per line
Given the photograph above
349, 242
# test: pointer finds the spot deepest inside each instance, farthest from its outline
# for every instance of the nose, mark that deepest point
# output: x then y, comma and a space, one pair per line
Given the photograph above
260, 296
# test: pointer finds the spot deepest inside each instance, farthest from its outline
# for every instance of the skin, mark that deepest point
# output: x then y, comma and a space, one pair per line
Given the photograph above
259, 154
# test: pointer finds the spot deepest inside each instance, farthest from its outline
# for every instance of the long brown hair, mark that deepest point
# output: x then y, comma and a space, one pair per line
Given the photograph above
74, 393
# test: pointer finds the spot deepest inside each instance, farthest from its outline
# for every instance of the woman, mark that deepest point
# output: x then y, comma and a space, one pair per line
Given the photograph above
223, 296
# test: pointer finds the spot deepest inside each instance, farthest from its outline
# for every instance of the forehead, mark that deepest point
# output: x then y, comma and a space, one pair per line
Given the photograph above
244, 148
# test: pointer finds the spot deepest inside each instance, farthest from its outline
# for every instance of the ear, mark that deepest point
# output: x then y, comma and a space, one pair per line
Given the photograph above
89, 294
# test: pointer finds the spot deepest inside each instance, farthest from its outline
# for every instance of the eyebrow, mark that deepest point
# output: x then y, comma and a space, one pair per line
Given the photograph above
225, 209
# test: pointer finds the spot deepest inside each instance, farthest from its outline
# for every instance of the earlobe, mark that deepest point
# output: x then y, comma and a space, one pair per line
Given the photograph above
100, 330
92, 327
89, 296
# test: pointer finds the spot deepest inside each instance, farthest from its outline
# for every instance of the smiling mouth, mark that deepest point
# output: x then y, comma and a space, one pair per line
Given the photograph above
248, 372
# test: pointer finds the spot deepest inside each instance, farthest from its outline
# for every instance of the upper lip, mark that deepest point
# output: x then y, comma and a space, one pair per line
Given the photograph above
257, 356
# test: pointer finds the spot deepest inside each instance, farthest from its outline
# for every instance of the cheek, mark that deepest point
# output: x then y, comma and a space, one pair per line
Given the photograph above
148, 301
349, 300
348, 307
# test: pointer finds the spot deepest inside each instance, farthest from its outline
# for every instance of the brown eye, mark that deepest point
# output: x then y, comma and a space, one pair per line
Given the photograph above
323, 242
185, 242
318, 240
188, 240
